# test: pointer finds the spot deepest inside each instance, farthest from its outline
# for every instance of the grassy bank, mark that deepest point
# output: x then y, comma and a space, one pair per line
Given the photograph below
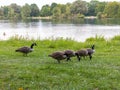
37, 71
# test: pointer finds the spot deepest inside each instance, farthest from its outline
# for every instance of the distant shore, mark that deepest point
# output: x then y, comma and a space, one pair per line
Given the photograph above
50, 17
90, 17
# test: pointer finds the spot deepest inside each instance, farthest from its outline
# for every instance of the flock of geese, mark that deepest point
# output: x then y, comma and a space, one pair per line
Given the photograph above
61, 55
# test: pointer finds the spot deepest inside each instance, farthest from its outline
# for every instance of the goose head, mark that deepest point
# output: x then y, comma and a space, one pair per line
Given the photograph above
32, 45
93, 48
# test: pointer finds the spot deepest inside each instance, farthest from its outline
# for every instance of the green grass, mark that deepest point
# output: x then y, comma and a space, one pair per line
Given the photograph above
37, 71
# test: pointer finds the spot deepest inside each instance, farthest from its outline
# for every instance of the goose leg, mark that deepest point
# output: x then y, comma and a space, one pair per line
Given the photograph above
90, 57
26, 54
84, 57
58, 61
68, 58
78, 58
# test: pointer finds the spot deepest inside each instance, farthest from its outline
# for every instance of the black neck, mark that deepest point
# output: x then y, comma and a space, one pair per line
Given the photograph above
32, 46
93, 47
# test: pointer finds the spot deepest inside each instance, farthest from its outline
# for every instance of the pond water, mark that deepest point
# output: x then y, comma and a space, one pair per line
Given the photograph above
78, 30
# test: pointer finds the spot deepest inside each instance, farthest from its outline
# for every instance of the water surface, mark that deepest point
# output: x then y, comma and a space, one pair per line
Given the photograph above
78, 30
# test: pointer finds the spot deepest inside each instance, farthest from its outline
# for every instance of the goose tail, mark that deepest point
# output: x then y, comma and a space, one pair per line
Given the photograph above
50, 55
17, 50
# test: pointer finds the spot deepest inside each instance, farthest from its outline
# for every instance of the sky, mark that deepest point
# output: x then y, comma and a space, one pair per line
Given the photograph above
40, 3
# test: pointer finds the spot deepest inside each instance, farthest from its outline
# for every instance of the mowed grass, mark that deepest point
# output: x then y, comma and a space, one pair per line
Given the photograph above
37, 71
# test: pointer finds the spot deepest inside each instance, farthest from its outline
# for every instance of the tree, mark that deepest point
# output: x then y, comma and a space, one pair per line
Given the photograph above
34, 10
15, 7
1, 12
45, 11
100, 7
25, 11
67, 11
63, 8
11, 13
111, 9
53, 5
5, 9
14, 11
79, 7
91, 7
56, 12
118, 13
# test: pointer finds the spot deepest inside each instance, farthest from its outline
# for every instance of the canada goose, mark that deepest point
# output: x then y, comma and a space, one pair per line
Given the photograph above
91, 51
58, 56
69, 54
81, 53
25, 50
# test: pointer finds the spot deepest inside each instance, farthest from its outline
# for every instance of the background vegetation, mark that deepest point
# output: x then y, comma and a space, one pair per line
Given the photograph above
78, 8
37, 71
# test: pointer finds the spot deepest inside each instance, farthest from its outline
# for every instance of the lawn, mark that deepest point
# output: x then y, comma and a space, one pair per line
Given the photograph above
37, 71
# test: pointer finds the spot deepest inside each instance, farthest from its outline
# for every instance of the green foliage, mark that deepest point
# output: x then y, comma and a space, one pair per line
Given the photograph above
45, 11
80, 15
25, 11
91, 7
1, 12
34, 10
69, 10
14, 11
53, 5
63, 8
57, 12
79, 7
96, 38
116, 38
111, 9
37, 71
5, 9
118, 12
101, 15
100, 7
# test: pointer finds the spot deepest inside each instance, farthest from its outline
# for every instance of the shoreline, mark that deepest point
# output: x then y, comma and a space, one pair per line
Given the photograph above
90, 17
50, 17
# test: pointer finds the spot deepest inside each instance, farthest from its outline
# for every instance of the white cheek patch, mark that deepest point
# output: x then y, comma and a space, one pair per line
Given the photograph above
93, 50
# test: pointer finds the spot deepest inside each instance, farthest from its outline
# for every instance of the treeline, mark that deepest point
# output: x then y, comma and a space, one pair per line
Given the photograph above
15, 11
77, 9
